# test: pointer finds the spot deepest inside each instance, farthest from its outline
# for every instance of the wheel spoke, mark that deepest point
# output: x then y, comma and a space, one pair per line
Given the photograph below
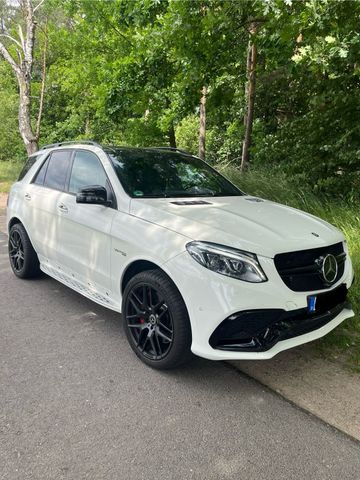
136, 315
158, 341
149, 297
151, 338
165, 327
136, 302
158, 305
165, 337
145, 301
17, 239
142, 348
162, 313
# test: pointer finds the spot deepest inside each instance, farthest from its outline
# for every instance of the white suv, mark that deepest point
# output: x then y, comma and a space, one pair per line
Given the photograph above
193, 263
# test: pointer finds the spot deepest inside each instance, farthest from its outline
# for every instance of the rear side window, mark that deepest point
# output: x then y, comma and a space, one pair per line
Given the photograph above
87, 170
40, 176
57, 169
30, 162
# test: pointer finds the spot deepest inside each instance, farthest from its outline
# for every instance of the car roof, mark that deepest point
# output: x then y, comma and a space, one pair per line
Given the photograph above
89, 144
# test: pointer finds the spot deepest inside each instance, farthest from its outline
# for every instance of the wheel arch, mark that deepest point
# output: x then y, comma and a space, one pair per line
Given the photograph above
135, 267
141, 265
13, 221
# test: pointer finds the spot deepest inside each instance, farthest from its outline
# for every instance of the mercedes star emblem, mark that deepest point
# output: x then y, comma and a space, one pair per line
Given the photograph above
329, 267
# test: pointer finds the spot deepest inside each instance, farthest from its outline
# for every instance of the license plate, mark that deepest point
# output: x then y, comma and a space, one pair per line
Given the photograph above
312, 303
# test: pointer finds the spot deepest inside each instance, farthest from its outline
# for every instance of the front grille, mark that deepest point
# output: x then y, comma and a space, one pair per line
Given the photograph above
300, 272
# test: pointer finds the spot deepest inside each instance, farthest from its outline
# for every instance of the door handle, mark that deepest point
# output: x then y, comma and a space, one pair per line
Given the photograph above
63, 208
27, 196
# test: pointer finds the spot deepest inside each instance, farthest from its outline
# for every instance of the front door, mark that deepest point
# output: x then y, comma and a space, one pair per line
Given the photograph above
84, 230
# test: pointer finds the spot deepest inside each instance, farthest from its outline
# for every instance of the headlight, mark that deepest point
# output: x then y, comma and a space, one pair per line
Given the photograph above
227, 261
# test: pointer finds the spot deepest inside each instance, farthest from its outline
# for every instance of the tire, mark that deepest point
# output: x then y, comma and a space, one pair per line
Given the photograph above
23, 258
156, 320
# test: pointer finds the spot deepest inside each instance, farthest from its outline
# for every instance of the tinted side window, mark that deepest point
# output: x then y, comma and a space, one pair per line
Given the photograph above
30, 162
86, 170
57, 170
40, 176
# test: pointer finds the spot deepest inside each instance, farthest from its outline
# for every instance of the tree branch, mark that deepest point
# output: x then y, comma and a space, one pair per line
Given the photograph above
21, 36
4, 52
38, 5
6, 35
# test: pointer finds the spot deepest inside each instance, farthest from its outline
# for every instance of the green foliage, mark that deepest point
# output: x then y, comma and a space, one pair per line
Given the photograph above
187, 134
9, 171
11, 146
132, 72
308, 95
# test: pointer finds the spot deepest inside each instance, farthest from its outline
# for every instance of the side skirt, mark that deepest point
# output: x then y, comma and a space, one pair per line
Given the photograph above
79, 287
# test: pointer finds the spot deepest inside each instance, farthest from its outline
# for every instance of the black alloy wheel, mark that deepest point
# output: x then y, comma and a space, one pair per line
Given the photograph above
16, 251
156, 320
23, 258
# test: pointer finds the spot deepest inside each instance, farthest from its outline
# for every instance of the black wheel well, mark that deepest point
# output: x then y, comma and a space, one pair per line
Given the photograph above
134, 268
13, 222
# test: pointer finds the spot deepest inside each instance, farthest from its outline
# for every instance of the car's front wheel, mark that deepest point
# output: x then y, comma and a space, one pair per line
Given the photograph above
23, 258
156, 321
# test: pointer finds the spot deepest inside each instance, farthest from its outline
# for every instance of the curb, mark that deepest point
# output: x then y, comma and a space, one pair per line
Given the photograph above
319, 386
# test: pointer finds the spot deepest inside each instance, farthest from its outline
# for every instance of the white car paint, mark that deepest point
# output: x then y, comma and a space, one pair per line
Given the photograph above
89, 248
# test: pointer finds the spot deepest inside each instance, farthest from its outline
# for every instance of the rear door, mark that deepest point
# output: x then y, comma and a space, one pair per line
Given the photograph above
84, 229
42, 196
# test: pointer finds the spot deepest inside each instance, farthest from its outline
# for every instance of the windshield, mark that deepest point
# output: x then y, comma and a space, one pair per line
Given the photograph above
156, 174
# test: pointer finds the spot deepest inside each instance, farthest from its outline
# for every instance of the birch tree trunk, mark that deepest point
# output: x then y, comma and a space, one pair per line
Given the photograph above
25, 128
23, 70
202, 129
250, 97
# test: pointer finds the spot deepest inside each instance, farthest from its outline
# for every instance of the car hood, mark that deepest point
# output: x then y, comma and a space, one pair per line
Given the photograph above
247, 223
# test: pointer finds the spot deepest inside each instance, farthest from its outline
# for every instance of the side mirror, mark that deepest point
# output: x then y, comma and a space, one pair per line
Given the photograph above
93, 194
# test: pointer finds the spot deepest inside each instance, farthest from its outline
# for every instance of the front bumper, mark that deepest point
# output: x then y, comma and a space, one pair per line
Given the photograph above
211, 298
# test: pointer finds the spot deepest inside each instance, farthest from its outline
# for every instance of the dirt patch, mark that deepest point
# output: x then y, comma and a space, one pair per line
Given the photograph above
3, 199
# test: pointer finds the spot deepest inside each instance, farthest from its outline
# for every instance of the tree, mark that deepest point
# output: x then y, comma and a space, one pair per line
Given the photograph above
22, 68
250, 94
202, 129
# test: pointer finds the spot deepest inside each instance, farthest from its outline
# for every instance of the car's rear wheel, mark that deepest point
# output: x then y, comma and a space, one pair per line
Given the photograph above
23, 258
156, 321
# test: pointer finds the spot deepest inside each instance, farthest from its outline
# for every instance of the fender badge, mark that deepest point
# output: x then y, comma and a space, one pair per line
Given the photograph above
120, 251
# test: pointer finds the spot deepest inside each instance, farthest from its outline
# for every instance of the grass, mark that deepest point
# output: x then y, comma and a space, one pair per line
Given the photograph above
344, 342
9, 172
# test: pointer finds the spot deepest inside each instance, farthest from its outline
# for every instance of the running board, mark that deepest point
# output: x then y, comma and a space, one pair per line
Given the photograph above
79, 287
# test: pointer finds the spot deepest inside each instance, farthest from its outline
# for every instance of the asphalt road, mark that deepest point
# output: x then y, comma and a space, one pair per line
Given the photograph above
75, 403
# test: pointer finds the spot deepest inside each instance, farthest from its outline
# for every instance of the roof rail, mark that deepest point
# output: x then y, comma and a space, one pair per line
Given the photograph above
174, 149
71, 142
